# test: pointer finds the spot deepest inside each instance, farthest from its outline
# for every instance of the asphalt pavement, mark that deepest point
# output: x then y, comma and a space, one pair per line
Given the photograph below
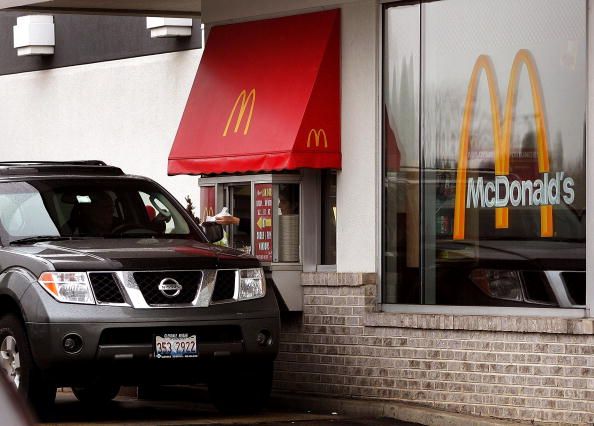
128, 410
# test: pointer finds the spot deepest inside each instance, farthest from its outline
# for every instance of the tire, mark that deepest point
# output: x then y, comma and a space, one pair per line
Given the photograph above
240, 388
21, 370
96, 394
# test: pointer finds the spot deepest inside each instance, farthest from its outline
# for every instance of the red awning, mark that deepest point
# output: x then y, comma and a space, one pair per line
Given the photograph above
266, 97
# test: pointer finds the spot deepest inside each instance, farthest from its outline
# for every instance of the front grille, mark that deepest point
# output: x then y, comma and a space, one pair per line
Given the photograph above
148, 283
106, 288
224, 286
142, 335
538, 288
575, 282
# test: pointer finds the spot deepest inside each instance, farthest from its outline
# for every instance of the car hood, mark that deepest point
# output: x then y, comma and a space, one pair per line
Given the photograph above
128, 254
537, 255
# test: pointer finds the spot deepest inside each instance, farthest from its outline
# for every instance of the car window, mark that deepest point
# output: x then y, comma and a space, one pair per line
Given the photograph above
106, 208
22, 212
158, 208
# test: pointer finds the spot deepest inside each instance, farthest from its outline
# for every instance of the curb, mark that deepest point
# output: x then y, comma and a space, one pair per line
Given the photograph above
348, 407
368, 408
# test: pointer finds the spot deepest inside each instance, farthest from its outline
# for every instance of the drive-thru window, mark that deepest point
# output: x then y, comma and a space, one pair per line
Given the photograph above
259, 129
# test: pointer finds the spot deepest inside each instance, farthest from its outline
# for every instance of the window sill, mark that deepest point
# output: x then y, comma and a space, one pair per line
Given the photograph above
338, 279
501, 319
325, 268
284, 267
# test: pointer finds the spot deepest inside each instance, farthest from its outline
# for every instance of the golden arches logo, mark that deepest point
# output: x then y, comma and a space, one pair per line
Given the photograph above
317, 135
242, 101
502, 136
208, 211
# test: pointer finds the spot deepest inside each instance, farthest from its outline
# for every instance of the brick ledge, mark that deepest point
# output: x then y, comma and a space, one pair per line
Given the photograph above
338, 279
480, 323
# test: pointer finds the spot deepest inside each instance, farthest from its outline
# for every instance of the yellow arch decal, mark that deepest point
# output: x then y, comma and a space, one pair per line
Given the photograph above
501, 136
244, 98
317, 135
208, 211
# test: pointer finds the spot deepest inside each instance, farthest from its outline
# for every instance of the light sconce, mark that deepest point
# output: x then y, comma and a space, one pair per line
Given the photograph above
169, 27
34, 35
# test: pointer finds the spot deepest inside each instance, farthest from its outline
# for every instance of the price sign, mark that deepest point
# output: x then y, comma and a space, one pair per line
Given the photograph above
263, 221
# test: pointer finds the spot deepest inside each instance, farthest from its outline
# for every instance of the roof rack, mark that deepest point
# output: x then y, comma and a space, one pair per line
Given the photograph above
53, 163
35, 168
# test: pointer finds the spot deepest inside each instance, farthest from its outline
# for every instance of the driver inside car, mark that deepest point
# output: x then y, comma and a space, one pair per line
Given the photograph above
158, 222
94, 218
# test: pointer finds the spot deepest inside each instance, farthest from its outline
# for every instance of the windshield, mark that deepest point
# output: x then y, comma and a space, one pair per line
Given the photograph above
88, 208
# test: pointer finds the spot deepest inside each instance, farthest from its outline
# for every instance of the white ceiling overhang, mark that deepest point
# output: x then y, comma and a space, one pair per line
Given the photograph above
189, 8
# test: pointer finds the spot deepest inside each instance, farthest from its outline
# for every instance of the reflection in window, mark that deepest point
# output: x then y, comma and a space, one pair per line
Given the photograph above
401, 259
329, 217
288, 222
241, 207
502, 144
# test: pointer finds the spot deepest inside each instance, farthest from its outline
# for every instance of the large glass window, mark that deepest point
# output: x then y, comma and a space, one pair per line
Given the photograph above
484, 146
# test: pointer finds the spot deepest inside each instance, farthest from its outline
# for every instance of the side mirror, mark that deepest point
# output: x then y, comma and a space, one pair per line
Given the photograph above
214, 232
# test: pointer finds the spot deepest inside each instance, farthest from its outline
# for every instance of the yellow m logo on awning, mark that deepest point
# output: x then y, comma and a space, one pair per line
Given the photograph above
501, 136
317, 135
242, 101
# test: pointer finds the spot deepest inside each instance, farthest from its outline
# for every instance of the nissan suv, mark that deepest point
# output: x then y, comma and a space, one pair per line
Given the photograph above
106, 280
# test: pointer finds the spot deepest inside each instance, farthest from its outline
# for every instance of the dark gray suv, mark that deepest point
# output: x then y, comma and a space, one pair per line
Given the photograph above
106, 281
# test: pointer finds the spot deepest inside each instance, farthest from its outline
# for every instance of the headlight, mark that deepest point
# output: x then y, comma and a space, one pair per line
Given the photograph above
252, 284
499, 284
70, 287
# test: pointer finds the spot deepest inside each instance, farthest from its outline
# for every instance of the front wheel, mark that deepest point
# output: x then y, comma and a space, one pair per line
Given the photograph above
17, 362
240, 387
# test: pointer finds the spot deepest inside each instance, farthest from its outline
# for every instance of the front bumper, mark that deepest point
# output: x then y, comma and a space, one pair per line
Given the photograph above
123, 352
118, 340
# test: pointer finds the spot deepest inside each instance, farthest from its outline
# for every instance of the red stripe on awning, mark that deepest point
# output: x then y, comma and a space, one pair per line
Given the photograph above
266, 97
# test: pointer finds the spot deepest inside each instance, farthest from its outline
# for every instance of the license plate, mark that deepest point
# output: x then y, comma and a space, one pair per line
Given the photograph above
176, 345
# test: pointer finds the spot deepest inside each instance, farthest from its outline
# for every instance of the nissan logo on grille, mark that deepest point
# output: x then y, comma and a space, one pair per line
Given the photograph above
169, 287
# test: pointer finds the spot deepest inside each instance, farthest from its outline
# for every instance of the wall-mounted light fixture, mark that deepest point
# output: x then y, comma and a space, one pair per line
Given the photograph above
169, 27
34, 35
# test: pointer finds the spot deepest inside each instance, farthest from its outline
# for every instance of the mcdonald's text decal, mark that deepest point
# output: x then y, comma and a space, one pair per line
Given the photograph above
243, 100
501, 193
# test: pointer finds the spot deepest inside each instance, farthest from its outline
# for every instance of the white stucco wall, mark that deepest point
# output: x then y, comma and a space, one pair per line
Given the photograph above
357, 198
124, 112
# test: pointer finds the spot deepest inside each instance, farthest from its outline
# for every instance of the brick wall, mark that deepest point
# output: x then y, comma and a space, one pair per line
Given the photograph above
525, 368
